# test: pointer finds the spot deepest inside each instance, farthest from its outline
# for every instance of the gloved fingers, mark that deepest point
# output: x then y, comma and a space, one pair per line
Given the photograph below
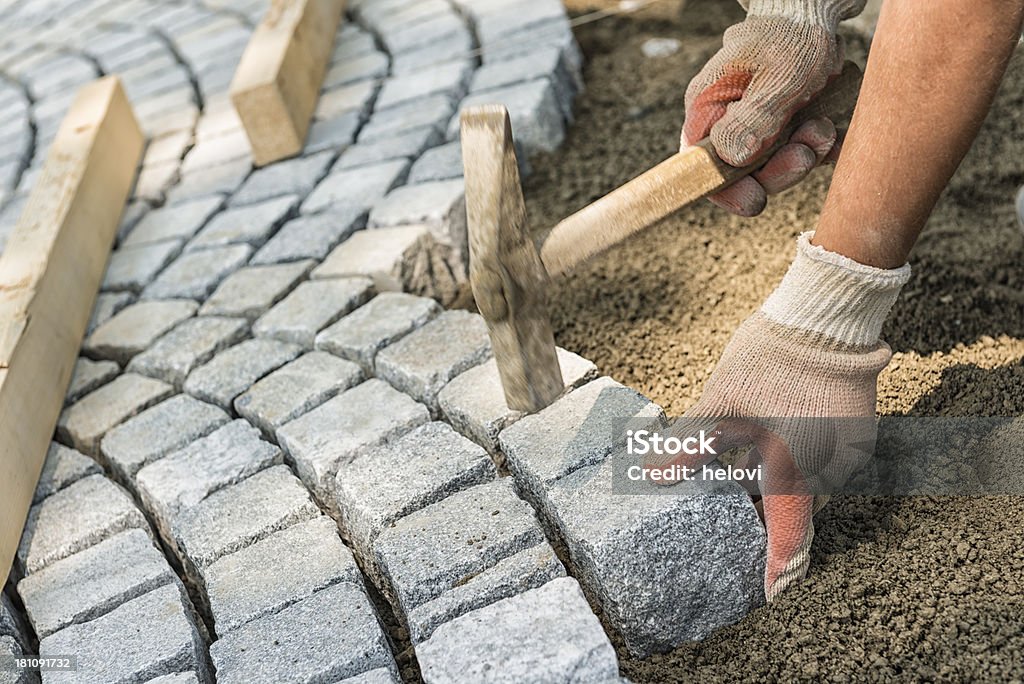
790, 533
746, 197
837, 148
819, 135
708, 99
787, 167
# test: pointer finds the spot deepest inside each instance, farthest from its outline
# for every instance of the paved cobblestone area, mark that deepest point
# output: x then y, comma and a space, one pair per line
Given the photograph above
335, 487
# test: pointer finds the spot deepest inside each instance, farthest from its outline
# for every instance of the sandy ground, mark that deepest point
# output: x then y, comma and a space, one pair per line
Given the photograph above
914, 588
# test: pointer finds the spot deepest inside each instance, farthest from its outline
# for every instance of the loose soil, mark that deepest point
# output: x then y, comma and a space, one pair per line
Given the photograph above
914, 588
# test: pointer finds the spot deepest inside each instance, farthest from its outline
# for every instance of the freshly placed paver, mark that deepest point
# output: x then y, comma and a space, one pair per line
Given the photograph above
62, 467
545, 62
439, 163
234, 370
296, 388
311, 236
446, 544
158, 431
384, 484
85, 422
75, 518
195, 274
399, 148
88, 375
250, 291
338, 430
422, 362
94, 581
534, 108
544, 635
192, 343
136, 327
330, 636
277, 572
290, 177
252, 224
434, 111
311, 307
357, 188
153, 635
474, 402
438, 204
235, 517
179, 222
386, 318
132, 268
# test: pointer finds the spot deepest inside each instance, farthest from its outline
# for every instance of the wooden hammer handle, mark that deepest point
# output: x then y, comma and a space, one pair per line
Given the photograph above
685, 177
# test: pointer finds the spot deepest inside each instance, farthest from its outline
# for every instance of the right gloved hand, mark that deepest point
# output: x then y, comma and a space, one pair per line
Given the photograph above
770, 66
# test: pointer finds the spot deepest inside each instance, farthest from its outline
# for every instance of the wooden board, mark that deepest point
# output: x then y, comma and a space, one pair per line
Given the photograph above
277, 84
50, 272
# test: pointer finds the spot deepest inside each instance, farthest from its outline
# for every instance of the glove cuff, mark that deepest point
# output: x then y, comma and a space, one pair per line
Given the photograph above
826, 13
832, 295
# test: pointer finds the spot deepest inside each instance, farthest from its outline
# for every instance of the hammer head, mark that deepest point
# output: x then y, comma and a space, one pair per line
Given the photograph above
508, 279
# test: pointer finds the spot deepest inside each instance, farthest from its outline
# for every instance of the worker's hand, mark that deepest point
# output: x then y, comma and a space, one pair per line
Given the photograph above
770, 66
797, 386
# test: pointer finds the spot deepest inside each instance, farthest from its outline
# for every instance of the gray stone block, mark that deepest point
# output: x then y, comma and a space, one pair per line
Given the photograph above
12, 624
311, 307
354, 97
220, 179
88, 375
401, 147
434, 111
75, 518
448, 79
133, 212
667, 566
545, 62
371, 65
555, 32
158, 431
178, 222
423, 58
277, 572
186, 477
296, 388
85, 422
437, 164
514, 575
438, 28
176, 678
381, 675
423, 362
338, 430
474, 402
169, 147
290, 177
153, 181
333, 134
356, 188
545, 635
190, 344
240, 515
93, 582
217, 150
234, 370
107, 305
196, 274
386, 483
441, 205
9, 646
250, 291
153, 635
311, 237
386, 318
62, 467
494, 21
331, 635
132, 268
252, 224
534, 108
136, 327
580, 429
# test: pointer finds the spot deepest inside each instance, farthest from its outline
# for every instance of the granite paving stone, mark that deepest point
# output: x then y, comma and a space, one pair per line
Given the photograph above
213, 180
448, 79
107, 305
154, 635
290, 177
438, 204
250, 291
385, 319
251, 224
93, 582
235, 369
545, 635
423, 362
439, 28
132, 268
179, 222
137, 326
332, 635
158, 431
339, 429
63, 466
296, 388
357, 97
195, 274
11, 623
84, 423
423, 58
79, 516
333, 134
406, 145
169, 147
9, 646
439, 163
311, 307
190, 344
381, 675
534, 108
153, 181
356, 188
277, 572
88, 375
435, 111
370, 65
217, 150
312, 236
544, 62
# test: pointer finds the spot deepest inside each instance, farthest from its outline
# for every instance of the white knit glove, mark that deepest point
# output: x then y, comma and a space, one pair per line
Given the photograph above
770, 66
797, 383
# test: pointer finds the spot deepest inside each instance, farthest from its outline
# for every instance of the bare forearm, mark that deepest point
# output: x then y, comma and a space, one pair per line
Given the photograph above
933, 71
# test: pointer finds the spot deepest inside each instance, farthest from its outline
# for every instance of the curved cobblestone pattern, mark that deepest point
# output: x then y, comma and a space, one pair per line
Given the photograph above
276, 439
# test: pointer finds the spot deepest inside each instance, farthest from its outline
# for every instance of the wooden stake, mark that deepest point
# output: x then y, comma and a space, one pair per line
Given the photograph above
50, 272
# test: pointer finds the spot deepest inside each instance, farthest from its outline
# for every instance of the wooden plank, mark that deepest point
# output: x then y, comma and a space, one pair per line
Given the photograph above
50, 272
277, 83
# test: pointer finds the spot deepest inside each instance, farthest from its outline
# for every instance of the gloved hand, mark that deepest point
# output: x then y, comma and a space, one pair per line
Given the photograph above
770, 65
797, 383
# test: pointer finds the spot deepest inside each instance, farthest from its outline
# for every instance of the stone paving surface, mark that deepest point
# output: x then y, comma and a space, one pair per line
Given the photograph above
336, 487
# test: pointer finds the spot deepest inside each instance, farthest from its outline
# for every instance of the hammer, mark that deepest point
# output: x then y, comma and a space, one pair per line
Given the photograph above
509, 275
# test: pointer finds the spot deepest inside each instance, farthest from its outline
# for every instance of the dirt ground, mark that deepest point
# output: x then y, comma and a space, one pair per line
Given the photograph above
914, 588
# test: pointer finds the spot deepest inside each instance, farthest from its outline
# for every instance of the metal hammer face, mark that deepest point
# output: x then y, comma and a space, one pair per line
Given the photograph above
508, 279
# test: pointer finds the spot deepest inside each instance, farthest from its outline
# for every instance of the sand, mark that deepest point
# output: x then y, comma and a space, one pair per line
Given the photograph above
913, 588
